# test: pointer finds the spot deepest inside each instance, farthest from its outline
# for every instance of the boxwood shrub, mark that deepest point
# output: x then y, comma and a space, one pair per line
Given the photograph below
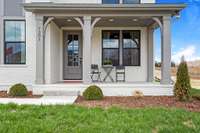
93, 93
18, 90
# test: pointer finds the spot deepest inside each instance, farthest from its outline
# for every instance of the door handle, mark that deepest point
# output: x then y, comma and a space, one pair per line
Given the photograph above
81, 60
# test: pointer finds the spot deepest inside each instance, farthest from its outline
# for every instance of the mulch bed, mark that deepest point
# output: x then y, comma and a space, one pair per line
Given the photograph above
4, 94
133, 102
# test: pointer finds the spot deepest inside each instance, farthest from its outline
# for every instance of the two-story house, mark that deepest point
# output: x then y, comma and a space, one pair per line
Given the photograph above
47, 42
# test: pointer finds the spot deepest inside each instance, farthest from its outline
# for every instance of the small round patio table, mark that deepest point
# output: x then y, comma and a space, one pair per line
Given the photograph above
108, 69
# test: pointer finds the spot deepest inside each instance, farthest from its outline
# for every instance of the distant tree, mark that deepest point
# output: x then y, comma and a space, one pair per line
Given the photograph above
182, 86
157, 64
173, 64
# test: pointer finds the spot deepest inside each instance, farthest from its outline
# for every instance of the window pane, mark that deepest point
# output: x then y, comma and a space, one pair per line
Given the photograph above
110, 39
111, 55
15, 53
14, 31
110, 1
131, 57
131, 39
131, 1
73, 50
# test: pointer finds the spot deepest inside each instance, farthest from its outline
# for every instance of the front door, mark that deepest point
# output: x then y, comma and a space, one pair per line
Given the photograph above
72, 55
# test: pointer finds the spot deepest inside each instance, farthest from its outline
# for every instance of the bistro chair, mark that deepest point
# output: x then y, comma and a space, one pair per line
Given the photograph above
120, 74
95, 74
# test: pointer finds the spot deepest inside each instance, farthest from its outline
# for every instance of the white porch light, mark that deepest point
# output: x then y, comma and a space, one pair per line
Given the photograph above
135, 19
69, 20
111, 20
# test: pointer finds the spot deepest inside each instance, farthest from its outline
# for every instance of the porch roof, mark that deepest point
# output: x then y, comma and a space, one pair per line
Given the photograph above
49, 7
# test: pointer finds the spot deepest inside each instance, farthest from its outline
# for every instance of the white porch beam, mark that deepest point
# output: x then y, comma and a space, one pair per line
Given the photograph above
79, 21
157, 20
47, 23
95, 21
166, 51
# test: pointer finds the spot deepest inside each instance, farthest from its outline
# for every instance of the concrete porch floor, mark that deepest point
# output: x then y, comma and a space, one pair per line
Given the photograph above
109, 89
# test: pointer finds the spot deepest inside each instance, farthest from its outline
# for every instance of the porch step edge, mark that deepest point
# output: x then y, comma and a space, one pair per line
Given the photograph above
60, 93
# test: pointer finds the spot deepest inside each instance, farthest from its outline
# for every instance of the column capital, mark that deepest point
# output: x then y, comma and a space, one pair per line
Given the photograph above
150, 28
39, 17
89, 18
165, 18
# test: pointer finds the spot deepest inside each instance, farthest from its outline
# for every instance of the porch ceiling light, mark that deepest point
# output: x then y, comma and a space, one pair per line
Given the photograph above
111, 20
69, 20
135, 19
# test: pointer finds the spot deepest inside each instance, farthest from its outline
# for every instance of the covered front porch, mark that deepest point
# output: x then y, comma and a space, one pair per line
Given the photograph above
58, 25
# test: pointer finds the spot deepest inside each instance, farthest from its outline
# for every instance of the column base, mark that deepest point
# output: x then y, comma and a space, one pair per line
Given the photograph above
39, 81
165, 81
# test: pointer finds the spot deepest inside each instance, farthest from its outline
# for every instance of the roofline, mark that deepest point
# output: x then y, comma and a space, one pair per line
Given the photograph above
98, 7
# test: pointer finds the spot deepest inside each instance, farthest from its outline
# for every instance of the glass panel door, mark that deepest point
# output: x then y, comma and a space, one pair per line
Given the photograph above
72, 56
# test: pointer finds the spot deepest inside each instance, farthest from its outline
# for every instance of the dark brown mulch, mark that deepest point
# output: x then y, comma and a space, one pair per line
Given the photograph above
133, 102
4, 94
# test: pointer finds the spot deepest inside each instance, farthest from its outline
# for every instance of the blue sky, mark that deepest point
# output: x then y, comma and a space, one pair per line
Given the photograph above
185, 32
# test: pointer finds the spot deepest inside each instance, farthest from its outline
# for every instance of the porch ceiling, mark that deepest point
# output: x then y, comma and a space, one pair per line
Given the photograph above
103, 9
109, 22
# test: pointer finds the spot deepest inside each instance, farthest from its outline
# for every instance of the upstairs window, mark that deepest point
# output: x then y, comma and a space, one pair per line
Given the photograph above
14, 42
110, 1
131, 1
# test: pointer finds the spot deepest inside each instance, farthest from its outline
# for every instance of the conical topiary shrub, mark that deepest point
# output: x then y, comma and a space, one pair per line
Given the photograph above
182, 86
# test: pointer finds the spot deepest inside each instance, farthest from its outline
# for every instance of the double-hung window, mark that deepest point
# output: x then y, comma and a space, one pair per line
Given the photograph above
111, 47
14, 42
121, 47
110, 1
131, 1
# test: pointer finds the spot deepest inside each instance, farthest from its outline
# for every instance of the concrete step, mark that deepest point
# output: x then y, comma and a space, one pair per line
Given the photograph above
60, 93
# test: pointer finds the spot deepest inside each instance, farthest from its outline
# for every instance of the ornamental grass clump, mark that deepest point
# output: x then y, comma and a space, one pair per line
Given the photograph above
18, 90
182, 86
93, 93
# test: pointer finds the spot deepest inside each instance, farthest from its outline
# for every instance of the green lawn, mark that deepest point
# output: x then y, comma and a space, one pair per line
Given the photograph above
195, 92
74, 119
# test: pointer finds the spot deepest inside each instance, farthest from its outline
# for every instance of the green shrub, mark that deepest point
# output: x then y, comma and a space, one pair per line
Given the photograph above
93, 93
18, 90
182, 86
107, 62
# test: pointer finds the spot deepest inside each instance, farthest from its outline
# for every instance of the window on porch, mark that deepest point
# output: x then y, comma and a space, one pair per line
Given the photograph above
121, 43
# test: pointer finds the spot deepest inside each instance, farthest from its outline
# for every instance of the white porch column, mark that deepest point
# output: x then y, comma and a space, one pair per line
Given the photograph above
1, 31
39, 50
166, 51
150, 52
87, 33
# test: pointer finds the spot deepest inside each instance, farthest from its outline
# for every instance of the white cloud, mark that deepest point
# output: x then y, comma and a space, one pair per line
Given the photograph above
189, 53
